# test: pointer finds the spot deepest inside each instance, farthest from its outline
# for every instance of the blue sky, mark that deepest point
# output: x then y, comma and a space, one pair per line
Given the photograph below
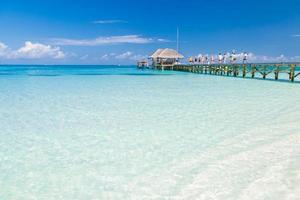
120, 32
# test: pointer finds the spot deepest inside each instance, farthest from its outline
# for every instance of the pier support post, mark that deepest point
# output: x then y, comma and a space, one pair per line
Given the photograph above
292, 72
264, 71
253, 70
227, 70
244, 70
277, 72
234, 71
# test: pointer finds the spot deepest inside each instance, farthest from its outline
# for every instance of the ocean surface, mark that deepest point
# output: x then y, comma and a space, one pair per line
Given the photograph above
108, 132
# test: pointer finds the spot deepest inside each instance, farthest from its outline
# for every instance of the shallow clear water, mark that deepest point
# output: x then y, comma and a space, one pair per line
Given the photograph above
88, 132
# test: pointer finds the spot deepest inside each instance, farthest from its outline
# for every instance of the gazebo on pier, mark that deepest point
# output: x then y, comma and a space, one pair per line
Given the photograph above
165, 58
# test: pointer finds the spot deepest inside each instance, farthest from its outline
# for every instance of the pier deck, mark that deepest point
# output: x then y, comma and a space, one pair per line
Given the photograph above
253, 70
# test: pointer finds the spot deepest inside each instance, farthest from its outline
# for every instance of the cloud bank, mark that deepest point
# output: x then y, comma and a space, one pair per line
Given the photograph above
267, 59
31, 51
110, 40
128, 55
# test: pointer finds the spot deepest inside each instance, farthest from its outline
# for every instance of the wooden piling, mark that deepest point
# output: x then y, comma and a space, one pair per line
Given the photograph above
264, 71
244, 70
292, 72
277, 69
253, 70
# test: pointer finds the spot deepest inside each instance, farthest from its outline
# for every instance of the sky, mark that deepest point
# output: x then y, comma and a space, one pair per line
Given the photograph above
122, 32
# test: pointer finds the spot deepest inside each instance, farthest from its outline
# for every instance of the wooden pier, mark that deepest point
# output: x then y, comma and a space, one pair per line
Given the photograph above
253, 70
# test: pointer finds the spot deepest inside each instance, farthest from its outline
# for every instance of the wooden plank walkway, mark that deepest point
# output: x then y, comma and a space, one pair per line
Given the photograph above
253, 70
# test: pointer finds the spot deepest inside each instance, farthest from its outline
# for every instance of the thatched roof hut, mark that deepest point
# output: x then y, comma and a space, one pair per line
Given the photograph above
166, 54
165, 57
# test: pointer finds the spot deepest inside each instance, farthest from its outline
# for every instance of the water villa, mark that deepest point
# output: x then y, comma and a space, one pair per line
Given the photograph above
165, 58
142, 64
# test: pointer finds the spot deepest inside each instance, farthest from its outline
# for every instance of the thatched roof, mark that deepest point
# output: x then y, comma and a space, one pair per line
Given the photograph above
156, 53
166, 53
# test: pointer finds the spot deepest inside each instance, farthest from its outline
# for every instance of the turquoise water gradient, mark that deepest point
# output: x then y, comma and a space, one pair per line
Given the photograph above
108, 132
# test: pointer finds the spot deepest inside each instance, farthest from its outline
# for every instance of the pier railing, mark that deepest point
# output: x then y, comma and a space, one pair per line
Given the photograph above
254, 70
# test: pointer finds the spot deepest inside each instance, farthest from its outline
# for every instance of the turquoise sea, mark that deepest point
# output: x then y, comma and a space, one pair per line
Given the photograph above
109, 132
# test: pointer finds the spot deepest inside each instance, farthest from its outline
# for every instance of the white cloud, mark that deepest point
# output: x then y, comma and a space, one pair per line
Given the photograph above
108, 56
3, 49
267, 59
31, 51
138, 57
37, 50
105, 57
294, 59
109, 21
125, 55
2, 46
84, 57
163, 40
128, 55
125, 39
296, 35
